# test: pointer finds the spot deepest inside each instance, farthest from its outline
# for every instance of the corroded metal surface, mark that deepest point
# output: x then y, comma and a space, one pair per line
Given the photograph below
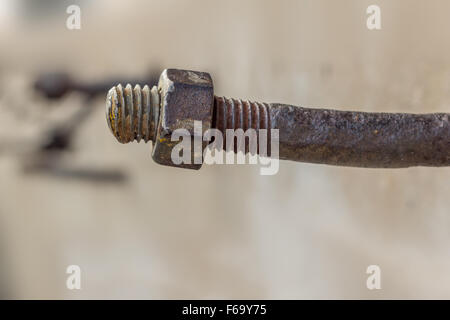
239, 114
132, 114
344, 138
182, 97
361, 139
186, 96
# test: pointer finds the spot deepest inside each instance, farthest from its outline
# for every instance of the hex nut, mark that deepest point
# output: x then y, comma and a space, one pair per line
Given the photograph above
185, 96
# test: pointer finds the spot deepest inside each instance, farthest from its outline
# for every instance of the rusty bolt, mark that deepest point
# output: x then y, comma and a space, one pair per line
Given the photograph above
181, 98
345, 138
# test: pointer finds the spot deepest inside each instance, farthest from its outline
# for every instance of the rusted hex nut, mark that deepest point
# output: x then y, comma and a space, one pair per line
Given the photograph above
182, 98
186, 96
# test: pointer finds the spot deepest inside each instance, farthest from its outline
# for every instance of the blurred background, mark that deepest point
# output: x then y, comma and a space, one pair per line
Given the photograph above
71, 194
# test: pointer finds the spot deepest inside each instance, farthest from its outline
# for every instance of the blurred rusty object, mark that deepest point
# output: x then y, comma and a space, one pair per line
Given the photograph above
344, 138
54, 85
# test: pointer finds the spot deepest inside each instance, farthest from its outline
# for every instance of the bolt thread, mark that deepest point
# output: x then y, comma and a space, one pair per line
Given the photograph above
238, 114
132, 114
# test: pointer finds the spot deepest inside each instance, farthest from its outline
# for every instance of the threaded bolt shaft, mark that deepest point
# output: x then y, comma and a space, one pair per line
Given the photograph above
132, 114
239, 114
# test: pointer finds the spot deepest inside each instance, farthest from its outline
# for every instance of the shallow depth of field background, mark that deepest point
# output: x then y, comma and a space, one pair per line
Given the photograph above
140, 230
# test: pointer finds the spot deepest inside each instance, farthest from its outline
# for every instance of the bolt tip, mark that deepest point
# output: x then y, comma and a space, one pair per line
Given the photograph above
129, 113
109, 104
114, 111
